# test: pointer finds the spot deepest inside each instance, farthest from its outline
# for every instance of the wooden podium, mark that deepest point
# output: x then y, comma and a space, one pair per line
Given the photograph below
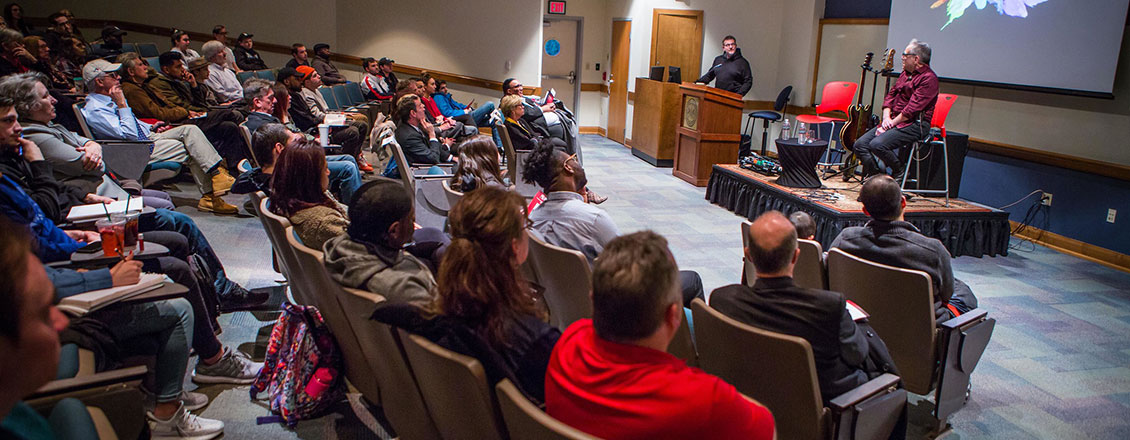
709, 131
654, 118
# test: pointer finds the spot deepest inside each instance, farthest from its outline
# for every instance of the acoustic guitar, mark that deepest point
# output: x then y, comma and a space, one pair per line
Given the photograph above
858, 115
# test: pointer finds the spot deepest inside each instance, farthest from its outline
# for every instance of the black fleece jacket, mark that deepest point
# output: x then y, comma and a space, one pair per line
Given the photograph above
733, 74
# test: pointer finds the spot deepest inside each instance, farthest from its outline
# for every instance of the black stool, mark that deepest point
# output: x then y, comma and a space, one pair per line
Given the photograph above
769, 116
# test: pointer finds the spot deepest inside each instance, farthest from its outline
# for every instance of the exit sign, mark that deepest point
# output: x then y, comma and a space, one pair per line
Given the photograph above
557, 7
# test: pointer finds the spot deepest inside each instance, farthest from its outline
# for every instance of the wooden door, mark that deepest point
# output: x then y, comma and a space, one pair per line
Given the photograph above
676, 40
618, 81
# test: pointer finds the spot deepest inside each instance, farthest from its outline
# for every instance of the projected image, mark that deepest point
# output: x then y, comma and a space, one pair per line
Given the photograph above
1012, 8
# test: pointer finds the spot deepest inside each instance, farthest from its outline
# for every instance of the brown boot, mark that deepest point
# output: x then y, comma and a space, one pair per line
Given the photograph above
213, 203
222, 181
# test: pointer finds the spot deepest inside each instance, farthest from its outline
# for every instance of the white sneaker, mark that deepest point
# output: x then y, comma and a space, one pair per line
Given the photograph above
184, 425
233, 367
193, 401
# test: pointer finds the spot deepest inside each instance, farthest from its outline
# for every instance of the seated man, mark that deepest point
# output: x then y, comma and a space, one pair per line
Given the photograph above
301, 56
372, 256
417, 137
221, 79
196, 78
220, 33
111, 45
847, 353
350, 138
158, 96
246, 57
558, 124
374, 83
805, 227
109, 116
311, 81
326, 68
889, 239
610, 376
451, 108
907, 111
268, 142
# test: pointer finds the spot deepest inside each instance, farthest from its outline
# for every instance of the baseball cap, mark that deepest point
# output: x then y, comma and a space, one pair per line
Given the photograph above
304, 72
112, 30
97, 68
321, 46
385, 60
197, 63
286, 72
244, 36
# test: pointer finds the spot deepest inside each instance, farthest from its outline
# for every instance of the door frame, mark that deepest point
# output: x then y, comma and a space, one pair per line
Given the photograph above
626, 82
578, 64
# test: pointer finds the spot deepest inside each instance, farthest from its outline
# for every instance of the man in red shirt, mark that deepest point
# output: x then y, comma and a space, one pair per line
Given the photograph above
610, 376
907, 111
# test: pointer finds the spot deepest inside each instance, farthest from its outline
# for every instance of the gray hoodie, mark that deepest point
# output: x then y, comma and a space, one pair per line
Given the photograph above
393, 273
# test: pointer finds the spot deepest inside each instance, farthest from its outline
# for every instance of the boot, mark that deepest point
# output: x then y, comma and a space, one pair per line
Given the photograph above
213, 203
222, 181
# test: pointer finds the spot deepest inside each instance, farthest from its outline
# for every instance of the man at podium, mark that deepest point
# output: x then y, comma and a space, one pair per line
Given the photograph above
731, 69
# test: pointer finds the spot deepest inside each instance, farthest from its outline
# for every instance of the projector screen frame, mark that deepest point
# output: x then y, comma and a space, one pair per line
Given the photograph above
1021, 87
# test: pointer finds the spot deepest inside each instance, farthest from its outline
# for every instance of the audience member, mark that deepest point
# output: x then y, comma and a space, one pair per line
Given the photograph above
75, 31
311, 81
386, 69
326, 68
14, 58
805, 227
300, 56
611, 376
349, 137
478, 166
108, 114
220, 33
221, 79
427, 89
558, 122
69, 56
198, 73
315, 214
267, 143
14, 19
448, 106
523, 136
847, 353
181, 41
61, 29
483, 305
111, 45
374, 83
43, 64
445, 127
889, 239
246, 57
417, 136
372, 256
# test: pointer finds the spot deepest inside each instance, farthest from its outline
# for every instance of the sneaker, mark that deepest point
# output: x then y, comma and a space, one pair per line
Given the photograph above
193, 401
364, 166
233, 367
184, 424
222, 181
238, 299
213, 203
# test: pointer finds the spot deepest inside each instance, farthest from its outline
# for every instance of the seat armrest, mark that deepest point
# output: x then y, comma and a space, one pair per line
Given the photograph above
122, 376
869, 411
122, 142
860, 393
116, 394
965, 319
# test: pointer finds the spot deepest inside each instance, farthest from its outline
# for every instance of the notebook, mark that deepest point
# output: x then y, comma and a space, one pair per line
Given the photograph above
84, 303
857, 312
95, 210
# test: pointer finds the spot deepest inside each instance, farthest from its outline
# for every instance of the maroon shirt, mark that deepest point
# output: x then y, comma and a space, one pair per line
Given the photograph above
913, 95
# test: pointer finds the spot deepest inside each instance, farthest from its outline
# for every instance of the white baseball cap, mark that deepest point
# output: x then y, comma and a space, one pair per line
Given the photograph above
97, 68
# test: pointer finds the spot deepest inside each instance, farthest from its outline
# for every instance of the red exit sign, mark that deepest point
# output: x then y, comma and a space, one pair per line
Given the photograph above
557, 7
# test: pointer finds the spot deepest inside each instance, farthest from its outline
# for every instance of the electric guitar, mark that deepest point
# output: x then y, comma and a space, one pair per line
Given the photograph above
858, 115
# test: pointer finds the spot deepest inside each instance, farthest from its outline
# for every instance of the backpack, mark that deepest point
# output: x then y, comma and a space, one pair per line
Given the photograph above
300, 346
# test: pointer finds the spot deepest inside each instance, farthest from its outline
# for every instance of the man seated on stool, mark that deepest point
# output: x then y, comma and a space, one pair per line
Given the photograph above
889, 239
610, 376
847, 353
907, 112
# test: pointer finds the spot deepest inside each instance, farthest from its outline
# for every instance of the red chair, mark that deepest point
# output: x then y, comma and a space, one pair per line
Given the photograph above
936, 136
837, 95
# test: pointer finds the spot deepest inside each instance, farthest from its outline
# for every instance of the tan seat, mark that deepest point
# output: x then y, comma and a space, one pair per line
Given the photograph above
276, 226
311, 274
246, 133
455, 389
809, 271
749, 273
381, 346
567, 278
901, 305
113, 399
524, 420
426, 190
778, 370
514, 161
453, 196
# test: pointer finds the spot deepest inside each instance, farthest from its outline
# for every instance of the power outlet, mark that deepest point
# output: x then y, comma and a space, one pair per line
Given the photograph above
1110, 213
1046, 199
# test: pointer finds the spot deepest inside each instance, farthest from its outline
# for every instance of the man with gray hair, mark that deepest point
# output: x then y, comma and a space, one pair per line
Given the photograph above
221, 79
907, 112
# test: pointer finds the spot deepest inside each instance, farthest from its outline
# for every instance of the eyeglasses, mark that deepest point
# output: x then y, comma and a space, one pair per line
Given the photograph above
908, 54
573, 157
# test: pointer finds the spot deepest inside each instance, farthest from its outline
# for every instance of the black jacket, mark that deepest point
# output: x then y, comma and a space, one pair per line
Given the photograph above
418, 149
248, 59
36, 179
301, 115
733, 74
840, 347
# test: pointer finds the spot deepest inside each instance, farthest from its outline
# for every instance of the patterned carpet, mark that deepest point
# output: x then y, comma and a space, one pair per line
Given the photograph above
1058, 366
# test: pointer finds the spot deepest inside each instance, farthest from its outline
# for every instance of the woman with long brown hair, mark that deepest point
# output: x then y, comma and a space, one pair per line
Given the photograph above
314, 213
478, 165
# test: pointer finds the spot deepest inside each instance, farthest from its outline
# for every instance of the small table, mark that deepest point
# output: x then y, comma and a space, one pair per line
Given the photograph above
798, 162
152, 250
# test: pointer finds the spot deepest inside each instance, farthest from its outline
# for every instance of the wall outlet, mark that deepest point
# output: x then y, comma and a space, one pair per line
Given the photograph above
1110, 213
1046, 199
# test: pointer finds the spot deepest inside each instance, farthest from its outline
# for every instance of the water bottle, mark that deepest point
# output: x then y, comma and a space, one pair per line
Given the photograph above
801, 132
784, 130
319, 382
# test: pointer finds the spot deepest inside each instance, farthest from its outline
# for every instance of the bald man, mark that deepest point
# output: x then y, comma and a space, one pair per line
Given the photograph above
847, 353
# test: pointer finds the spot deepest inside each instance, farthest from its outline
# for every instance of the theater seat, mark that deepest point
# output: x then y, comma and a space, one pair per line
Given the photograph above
525, 420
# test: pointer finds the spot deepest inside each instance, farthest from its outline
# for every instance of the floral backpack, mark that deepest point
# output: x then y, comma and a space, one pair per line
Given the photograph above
302, 370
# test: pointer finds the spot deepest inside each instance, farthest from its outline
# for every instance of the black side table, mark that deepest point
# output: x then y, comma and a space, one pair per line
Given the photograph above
798, 162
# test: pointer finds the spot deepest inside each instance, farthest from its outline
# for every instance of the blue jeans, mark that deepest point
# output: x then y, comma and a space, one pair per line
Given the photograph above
481, 115
497, 138
167, 220
344, 175
169, 323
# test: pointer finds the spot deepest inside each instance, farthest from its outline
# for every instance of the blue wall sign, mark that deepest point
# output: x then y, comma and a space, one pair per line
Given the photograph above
552, 48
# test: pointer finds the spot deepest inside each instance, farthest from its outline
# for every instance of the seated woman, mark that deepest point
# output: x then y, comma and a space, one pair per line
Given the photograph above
478, 166
483, 306
311, 209
523, 136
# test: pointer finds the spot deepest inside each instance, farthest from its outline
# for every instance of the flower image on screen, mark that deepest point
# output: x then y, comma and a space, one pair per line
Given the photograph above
1012, 8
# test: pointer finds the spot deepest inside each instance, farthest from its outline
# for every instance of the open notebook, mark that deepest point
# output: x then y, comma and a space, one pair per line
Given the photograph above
96, 210
84, 303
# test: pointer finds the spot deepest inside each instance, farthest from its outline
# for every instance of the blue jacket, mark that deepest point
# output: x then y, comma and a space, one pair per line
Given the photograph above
448, 106
71, 282
52, 244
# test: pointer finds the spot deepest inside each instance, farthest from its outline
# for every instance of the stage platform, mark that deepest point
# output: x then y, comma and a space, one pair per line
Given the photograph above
964, 227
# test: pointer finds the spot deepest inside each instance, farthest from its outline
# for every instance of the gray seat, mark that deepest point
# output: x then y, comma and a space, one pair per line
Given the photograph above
453, 196
129, 159
567, 278
524, 420
455, 389
514, 161
930, 358
749, 273
426, 190
778, 371
276, 226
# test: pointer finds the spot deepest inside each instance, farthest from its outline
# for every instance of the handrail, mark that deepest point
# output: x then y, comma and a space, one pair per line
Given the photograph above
130, 26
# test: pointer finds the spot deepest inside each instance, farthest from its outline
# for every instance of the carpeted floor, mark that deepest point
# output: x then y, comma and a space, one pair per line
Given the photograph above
1058, 366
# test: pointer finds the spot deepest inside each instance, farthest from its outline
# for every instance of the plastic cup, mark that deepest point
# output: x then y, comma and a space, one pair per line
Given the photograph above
324, 134
130, 237
113, 232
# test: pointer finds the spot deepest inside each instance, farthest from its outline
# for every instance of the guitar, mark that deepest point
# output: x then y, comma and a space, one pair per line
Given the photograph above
886, 66
858, 115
